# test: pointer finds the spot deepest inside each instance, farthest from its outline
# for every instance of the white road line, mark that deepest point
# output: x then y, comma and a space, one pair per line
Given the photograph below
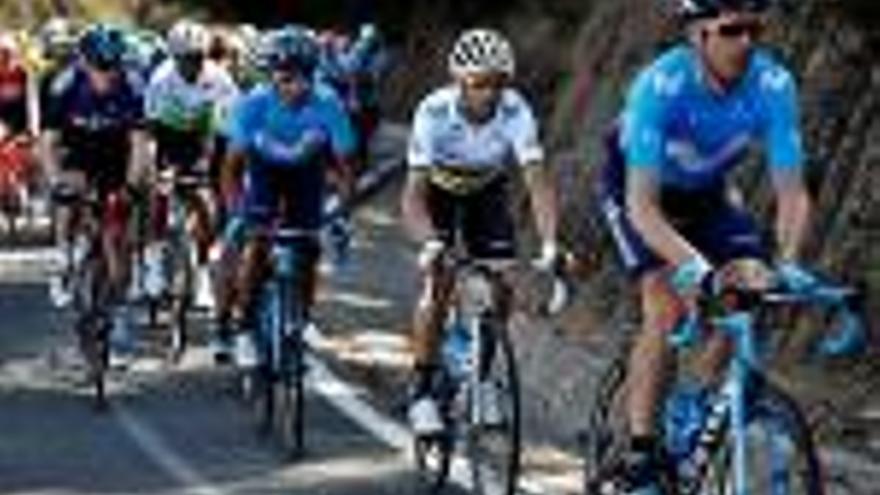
346, 399
164, 456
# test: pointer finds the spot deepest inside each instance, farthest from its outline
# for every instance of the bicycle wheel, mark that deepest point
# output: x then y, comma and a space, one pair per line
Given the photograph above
781, 455
93, 326
493, 445
291, 386
605, 437
181, 298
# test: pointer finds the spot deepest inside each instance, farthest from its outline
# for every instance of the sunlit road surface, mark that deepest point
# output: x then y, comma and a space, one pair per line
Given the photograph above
170, 429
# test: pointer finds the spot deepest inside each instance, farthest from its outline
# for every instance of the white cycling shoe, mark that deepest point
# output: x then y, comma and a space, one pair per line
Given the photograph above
245, 351
424, 417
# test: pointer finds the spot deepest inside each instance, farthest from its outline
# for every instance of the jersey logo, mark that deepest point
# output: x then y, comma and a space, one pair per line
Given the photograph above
686, 155
63, 82
665, 84
775, 79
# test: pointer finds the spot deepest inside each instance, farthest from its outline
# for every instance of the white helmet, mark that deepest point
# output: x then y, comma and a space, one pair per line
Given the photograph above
8, 43
187, 37
481, 51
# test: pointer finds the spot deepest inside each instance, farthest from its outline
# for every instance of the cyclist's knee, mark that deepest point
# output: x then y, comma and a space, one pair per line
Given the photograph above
661, 307
751, 273
436, 289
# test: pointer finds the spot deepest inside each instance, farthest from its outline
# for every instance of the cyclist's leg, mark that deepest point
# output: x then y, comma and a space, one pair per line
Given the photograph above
252, 271
301, 202
436, 285
71, 178
645, 377
428, 320
732, 240
260, 209
490, 235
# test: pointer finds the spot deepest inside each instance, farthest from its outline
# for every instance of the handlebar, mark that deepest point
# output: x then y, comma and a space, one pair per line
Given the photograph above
729, 308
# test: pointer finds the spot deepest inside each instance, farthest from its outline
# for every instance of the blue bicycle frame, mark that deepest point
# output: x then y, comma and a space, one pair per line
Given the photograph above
740, 325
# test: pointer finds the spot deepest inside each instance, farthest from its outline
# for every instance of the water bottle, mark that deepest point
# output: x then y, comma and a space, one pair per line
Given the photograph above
684, 416
457, 347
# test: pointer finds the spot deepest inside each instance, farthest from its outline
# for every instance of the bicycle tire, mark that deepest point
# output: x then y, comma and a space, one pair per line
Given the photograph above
771, 408
501, 477
602, 441
291, 386
93, 327
181, 299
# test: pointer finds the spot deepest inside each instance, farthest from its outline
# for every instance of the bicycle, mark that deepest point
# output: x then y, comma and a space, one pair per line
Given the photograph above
277, 383
87, 274
477, 350
179, 260
711, 446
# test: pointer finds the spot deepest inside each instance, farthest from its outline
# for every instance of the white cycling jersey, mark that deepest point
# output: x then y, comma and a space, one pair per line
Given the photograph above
442, 137
202, 106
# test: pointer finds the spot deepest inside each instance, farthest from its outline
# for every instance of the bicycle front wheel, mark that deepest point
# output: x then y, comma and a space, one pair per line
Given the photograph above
492, 437
781, 456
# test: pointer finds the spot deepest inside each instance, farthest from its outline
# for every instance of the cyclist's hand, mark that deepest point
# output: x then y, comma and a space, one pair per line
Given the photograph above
550, 257
689, 278
430, 254
795, 278
311, 142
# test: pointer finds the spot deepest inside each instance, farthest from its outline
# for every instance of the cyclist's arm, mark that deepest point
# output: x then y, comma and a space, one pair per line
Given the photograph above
544, 199
140, 162
643, 140
48, 153
414, 205
792, 215
230, 177
785, 158
643, 209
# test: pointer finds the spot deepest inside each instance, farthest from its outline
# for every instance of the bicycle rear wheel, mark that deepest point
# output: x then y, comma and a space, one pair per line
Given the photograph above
492, 445
605, 436
781, 455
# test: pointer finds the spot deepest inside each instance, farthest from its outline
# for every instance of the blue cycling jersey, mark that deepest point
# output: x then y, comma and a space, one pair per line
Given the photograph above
264, 124
675, 124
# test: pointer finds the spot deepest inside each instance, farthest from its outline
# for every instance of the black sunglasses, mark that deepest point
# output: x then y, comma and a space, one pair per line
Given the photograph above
738, 29
288, 77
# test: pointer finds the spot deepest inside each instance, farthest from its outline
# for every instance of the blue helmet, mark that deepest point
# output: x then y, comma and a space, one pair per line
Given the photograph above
291, 48
694, 9
103, 46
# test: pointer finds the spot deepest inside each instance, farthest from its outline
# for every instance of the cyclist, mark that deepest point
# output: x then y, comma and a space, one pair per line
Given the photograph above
16, 124
13, 88
93, 131
464, 138
355, 69
691, 117
285, 135
183, 102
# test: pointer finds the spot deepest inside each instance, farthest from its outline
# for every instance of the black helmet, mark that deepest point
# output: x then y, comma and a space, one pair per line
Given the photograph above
695, 9
102, 46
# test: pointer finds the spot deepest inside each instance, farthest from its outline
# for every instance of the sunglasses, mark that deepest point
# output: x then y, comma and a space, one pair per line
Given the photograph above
483, 83
288, 77
738, 29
